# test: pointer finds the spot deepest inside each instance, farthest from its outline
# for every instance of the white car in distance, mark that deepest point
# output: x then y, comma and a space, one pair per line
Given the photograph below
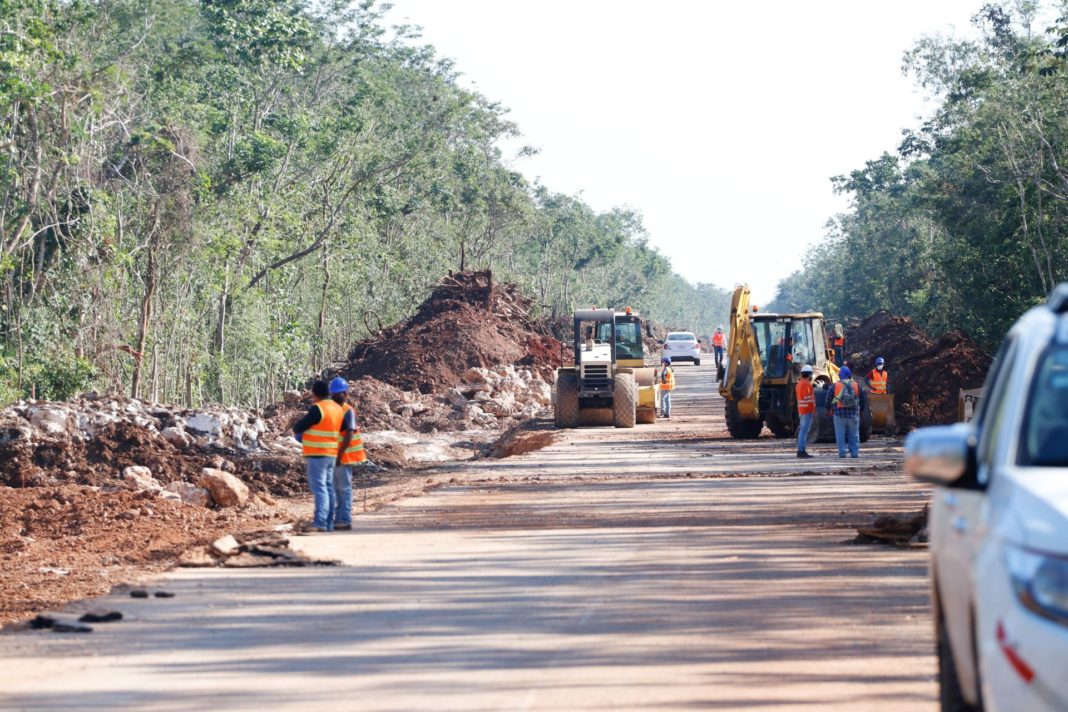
999, 527
682, 346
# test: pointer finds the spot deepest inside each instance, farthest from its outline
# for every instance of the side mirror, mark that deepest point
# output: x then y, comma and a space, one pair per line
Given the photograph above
943, 455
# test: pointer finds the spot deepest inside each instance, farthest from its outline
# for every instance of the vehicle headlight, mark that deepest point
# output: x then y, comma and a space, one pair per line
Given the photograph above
1040, 582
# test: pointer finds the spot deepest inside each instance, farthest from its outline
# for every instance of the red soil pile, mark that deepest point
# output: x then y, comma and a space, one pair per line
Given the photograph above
926, 376
467, 321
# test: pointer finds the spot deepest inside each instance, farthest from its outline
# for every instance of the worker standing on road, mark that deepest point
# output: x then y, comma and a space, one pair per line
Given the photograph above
806, 409
318, 431
838, 341
667, 385
846, 405
878, 379
350, 452
717, 347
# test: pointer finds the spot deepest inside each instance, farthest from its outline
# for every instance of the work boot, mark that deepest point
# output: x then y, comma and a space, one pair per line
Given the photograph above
342, 527
803, 454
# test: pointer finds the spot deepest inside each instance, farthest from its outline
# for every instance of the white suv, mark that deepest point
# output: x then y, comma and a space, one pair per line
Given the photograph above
999, 527
682, 346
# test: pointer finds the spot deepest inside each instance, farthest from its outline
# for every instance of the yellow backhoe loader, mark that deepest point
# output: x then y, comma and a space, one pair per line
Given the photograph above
609, 376
765, 353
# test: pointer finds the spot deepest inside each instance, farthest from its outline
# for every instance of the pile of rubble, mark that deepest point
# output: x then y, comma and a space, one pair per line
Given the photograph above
468, 321
95, 440
926, 375
491, 398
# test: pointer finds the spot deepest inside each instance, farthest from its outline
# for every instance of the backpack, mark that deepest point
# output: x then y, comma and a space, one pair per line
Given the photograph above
848, 397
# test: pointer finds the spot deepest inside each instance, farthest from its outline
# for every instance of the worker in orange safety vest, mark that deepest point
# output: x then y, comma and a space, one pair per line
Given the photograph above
318, 432
717, 346
667, 385
806, 409
350, 452
879, 379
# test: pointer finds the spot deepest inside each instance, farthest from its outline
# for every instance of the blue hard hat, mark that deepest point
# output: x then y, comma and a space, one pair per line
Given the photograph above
666, 360
880, 362
845, 373
338, 385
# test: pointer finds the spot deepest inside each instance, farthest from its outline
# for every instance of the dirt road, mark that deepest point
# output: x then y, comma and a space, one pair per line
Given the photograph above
666, 567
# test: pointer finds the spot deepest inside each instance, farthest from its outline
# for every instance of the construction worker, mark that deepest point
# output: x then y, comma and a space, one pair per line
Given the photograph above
878, 379
318, 432
838, 341
846, 405
717, 346
806, 409
350, 452
667, 385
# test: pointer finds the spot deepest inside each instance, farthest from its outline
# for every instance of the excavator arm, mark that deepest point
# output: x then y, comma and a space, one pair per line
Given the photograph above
744, 369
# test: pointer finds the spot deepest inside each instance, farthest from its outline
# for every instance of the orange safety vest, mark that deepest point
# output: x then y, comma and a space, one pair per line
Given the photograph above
667, 380
354, 453
717, 339
839, 341
877, 380
838, 392
320, 440
806, 398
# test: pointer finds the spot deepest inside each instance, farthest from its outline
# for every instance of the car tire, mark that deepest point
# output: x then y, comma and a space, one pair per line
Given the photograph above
697, 362
950, 695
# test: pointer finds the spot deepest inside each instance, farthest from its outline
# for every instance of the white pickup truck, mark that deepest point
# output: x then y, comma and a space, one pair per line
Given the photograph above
999, 527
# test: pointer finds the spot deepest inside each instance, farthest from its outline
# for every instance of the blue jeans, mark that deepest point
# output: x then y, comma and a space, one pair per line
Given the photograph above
321, 483
342, 494
847, 432
803, 429
719, 355
665, 403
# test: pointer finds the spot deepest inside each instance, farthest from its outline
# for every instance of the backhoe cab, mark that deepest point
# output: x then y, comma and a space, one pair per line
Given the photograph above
765, 353
608, 374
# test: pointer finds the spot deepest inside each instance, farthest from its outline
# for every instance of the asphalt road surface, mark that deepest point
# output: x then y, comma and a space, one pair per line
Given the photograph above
666, 567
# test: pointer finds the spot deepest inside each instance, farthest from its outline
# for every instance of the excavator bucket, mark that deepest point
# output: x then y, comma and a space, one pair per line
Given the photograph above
882, 413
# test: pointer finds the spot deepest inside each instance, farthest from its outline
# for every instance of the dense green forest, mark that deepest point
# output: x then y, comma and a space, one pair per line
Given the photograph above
212, 200
966, 224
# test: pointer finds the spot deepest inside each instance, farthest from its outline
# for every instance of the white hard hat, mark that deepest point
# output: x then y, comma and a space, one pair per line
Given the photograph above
806, 369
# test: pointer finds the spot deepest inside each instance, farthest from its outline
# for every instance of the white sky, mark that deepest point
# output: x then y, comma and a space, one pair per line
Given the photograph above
720, 122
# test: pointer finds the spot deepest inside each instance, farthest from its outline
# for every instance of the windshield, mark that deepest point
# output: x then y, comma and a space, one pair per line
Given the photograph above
774, 345
628, 338
681, 337
1045, 441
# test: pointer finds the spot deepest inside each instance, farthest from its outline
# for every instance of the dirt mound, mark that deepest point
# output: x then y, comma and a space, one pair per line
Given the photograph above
522, 439
63, 543
926, 376
467, 321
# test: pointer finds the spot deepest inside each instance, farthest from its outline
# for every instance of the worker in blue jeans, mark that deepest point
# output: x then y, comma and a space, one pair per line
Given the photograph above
667, 385
845, 404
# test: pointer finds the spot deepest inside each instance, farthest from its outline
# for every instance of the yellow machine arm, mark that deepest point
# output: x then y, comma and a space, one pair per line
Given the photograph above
744, 369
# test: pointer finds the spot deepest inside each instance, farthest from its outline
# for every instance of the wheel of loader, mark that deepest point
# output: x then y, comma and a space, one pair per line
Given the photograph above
778, 428
740, 428
566, 410
624, 400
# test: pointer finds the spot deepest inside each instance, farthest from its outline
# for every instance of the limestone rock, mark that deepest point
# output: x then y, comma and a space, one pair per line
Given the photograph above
139, 478
176, 437
225, 546
188, 493
226, 490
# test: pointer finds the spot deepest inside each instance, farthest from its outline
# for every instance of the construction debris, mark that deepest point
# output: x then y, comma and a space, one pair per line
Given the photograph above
895, 529
926, 376
256, 550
